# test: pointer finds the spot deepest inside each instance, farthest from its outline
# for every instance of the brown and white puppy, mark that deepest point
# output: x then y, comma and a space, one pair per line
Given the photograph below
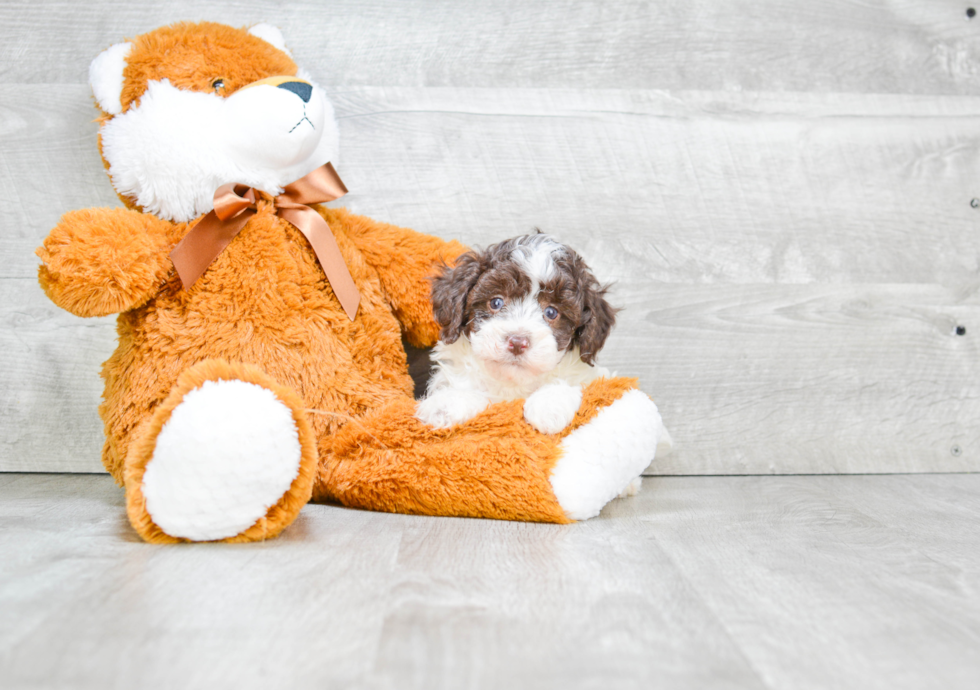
524, 318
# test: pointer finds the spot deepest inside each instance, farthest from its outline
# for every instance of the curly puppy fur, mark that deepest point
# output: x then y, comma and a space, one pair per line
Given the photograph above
525, 317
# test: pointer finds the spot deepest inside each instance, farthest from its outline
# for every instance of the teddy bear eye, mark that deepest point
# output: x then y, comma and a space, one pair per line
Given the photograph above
218, 84
497, 303
550, 313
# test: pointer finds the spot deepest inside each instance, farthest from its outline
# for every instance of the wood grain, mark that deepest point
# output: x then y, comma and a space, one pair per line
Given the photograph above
880, 46
807, 379
764, 583
866, 572
681, 187
49, 383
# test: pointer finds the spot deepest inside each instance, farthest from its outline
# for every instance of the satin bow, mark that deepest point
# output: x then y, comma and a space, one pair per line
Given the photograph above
234, 204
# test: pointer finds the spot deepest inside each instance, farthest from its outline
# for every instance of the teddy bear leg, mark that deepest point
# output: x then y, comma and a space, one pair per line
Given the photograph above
492, 466
495, 465
228, 456
603, 457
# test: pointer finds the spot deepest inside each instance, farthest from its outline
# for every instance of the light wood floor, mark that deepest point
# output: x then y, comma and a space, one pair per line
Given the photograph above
698, 582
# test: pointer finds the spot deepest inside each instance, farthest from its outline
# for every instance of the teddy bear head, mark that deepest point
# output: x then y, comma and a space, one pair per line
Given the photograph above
190, 107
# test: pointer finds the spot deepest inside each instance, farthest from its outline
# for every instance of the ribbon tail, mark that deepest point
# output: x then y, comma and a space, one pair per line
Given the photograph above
319, 186
203, 243
316, 230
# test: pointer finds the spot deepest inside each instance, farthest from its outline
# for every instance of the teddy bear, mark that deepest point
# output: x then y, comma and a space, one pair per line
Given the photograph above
260, 361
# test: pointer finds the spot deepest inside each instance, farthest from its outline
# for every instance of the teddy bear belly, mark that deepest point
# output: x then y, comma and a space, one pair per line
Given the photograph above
283, 317
340, 369
318, 353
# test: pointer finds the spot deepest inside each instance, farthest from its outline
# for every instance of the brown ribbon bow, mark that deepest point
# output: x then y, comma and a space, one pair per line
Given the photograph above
234, 204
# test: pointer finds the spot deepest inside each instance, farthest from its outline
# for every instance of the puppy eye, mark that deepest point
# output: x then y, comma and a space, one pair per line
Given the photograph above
550, 313
218, 84
497, 303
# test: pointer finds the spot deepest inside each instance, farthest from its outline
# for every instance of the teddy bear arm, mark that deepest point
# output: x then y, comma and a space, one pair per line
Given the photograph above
405, 261
104, 261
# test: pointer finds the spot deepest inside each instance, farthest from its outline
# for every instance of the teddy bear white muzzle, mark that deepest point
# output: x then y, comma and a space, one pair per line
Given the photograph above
265, 135
275, 124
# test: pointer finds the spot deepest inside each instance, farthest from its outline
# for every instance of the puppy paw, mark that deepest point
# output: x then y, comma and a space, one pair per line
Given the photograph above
632, 489
551, 408
447, 407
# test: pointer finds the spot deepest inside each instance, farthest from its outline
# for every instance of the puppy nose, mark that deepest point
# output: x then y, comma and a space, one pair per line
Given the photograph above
516, 344
300, 88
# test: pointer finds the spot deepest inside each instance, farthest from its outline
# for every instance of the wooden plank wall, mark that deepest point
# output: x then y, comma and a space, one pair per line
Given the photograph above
781, 191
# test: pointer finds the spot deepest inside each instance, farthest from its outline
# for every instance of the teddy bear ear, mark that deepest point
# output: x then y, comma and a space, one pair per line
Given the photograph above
105, 75
270, 34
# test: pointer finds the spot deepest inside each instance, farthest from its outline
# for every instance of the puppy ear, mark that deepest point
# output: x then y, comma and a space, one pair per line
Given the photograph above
598, 317
449, 292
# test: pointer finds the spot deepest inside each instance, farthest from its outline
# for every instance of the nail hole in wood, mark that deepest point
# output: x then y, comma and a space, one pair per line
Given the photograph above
961, 330
956, 451
970, 13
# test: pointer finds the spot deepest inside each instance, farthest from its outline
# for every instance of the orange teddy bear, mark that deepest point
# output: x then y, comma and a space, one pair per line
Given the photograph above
260, 361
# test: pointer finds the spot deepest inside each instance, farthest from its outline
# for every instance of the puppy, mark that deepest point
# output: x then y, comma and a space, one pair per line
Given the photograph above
524, 318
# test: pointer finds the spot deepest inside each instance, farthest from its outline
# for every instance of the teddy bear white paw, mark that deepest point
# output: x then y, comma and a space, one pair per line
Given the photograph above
603, 457
632, 489
551, 408
229, 451
665, 446
448, 407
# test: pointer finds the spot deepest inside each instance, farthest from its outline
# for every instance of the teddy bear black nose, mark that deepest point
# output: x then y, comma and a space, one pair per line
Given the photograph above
299, 88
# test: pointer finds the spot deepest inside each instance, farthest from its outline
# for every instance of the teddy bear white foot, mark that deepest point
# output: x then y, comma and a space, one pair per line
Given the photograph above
602, 458
229, 451
665, 445
632, 489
